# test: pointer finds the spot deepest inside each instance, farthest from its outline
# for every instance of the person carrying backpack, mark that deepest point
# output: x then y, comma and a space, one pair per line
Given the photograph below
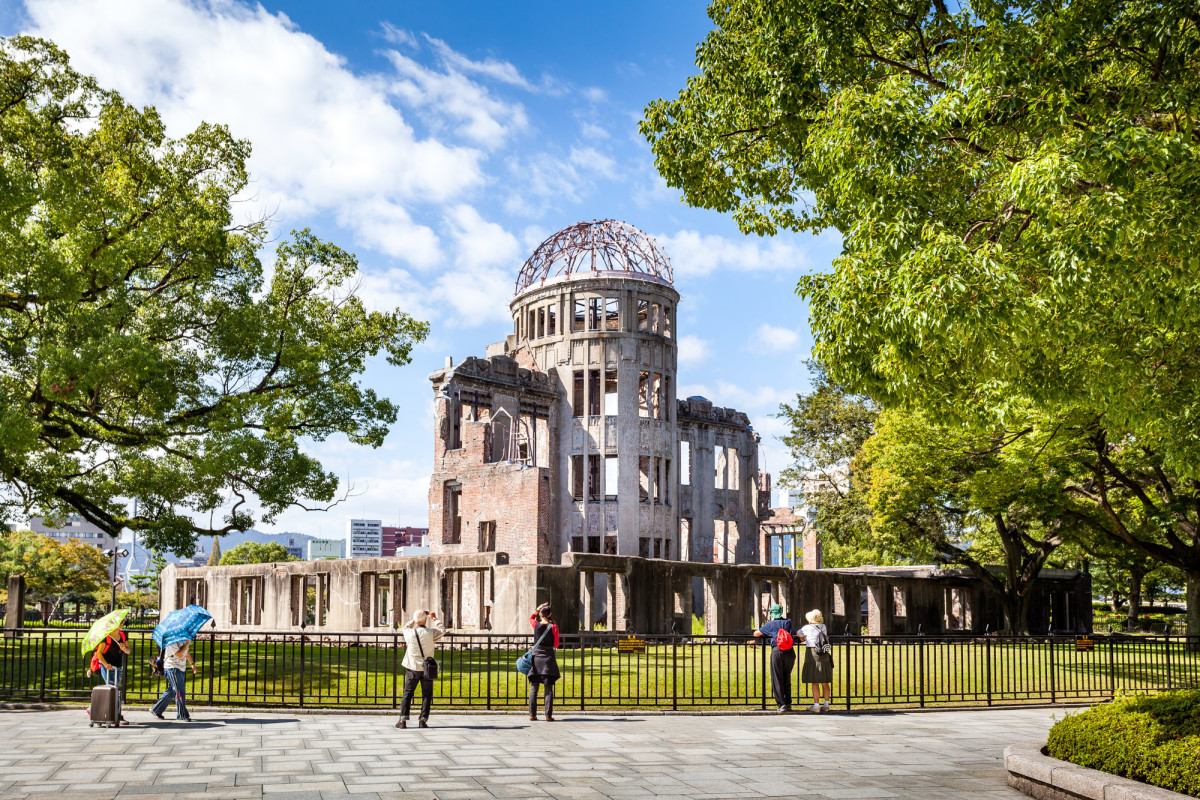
110, 656
818, 660
783, 655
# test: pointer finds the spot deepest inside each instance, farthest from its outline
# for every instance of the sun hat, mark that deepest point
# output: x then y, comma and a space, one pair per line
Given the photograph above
815, 617
775, 611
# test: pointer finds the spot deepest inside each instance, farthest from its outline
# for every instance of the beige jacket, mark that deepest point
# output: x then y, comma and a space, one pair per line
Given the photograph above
429, 633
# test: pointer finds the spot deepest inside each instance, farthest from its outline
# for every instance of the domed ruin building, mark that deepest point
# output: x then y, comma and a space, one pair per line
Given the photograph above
568, 437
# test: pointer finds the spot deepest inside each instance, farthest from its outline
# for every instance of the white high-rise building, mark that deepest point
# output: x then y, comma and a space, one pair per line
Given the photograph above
322, 549
364, 538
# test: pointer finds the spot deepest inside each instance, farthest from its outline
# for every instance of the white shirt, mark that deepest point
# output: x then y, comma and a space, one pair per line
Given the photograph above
429, 633
173, 660
810, 631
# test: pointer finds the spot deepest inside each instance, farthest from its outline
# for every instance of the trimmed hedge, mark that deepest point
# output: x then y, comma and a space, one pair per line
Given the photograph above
1150, 738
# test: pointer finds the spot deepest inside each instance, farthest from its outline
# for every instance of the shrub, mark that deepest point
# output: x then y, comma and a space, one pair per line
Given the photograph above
1150, 738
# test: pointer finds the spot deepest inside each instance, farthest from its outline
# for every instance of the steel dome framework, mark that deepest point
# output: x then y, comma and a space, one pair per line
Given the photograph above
605, 246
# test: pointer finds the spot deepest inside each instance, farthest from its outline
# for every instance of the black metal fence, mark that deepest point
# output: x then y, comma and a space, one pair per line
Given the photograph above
362, 670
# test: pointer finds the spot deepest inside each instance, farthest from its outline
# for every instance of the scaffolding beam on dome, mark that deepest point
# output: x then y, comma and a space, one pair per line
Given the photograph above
605, 246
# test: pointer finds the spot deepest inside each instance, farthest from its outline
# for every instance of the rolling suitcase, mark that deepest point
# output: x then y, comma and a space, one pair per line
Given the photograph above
103, 710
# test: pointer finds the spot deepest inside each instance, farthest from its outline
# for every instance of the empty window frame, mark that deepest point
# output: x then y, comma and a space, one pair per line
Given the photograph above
644, 547
593, 393
595, 304
643, 394
899, 602
454, 418
666, 481
531, 330
666, 551
611, 316
655, 318
610, 392
643, 315
487, 536
576, 544
577, 394
593, 477
732, 472
662, 402
656, 480
719, 467
577, 322
612, 475
657, 396
541, 328
666, 321
685, 463
577, 477
453, 525
644, 478
610, 548
593, 544
551, 320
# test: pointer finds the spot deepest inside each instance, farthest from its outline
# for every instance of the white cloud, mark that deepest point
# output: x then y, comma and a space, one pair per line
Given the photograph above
326, 140
594, 94
694, 254
692, 350
481, 243
545, 181
776, 338
502, 71
590, 130
737, 396
444, 98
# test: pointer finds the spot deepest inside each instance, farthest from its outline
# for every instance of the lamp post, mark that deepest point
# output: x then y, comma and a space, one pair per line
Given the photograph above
114, 553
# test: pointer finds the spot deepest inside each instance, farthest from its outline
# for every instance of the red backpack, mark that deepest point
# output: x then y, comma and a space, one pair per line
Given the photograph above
783, 639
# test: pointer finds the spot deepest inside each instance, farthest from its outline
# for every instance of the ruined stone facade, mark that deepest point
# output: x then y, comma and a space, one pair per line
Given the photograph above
568, 437
485, 593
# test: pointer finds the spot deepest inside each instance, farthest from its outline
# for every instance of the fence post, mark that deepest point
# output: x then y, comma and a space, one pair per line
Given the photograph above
1167, 644
302, 670
488, 672
1112, 670
582, 669
1053, 698
674, 673
849, 674
921, 669
987, 654
42, 690
763, 673
212, 669
395, 666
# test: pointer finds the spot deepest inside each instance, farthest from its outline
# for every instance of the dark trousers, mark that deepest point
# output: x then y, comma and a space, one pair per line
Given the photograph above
176, 690
782, 663
411, 679
533, 693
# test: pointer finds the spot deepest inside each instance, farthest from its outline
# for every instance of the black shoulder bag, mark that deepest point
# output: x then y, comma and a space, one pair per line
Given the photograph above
431, 664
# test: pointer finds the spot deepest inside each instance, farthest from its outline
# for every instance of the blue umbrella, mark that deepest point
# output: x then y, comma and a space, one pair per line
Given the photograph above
181, 625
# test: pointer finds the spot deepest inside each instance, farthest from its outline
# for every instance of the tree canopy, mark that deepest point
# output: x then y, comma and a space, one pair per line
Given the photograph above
54, 571
143, 351
1018, 188
256, 553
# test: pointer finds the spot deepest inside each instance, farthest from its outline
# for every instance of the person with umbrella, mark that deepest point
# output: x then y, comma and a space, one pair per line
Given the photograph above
174, 635
109, 645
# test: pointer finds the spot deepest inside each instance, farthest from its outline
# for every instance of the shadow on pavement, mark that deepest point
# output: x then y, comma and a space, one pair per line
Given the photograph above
258, 720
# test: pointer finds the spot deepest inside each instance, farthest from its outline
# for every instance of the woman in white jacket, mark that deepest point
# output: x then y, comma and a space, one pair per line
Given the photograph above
420, 641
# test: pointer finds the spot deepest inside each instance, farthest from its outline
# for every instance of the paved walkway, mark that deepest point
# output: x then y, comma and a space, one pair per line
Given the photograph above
280, 756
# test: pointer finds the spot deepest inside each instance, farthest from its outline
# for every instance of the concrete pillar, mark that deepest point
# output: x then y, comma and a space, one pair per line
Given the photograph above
587, 583
812, 550
15, 615
877, 610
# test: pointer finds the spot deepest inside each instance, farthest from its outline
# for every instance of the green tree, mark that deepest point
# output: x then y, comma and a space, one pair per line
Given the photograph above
256, 553
142, 351
214, 555
54, 571
1017, 187
975, 501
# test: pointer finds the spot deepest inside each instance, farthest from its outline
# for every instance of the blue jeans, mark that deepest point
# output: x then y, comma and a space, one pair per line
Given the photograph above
177, 691
115, 677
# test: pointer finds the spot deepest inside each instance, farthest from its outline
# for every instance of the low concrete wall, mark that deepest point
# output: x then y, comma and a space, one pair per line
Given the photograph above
1045, 778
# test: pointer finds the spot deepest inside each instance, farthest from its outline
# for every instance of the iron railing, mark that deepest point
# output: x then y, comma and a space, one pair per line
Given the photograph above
362, 670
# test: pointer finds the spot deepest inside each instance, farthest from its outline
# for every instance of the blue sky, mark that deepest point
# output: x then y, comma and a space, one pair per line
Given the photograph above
441, 142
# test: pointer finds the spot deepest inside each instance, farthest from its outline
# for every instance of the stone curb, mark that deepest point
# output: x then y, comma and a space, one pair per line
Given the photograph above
1044, 778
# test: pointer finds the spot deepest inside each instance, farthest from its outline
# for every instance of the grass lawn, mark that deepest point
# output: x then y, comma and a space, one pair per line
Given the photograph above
48, 666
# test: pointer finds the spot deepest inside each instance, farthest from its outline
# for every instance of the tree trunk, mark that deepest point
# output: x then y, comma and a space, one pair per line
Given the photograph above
1136, 576
1193, 611
1016, 616
1114, 602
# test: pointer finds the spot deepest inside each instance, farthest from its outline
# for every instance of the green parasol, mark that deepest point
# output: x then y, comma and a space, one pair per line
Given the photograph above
103, 627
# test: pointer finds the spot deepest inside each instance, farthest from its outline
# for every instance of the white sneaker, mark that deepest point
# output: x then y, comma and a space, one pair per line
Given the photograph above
824, 707
816, 709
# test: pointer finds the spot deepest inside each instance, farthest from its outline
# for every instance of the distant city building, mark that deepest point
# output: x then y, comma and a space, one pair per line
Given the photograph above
364, 538
294, 548
321, 549
73, 527
393, 539
199, 559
